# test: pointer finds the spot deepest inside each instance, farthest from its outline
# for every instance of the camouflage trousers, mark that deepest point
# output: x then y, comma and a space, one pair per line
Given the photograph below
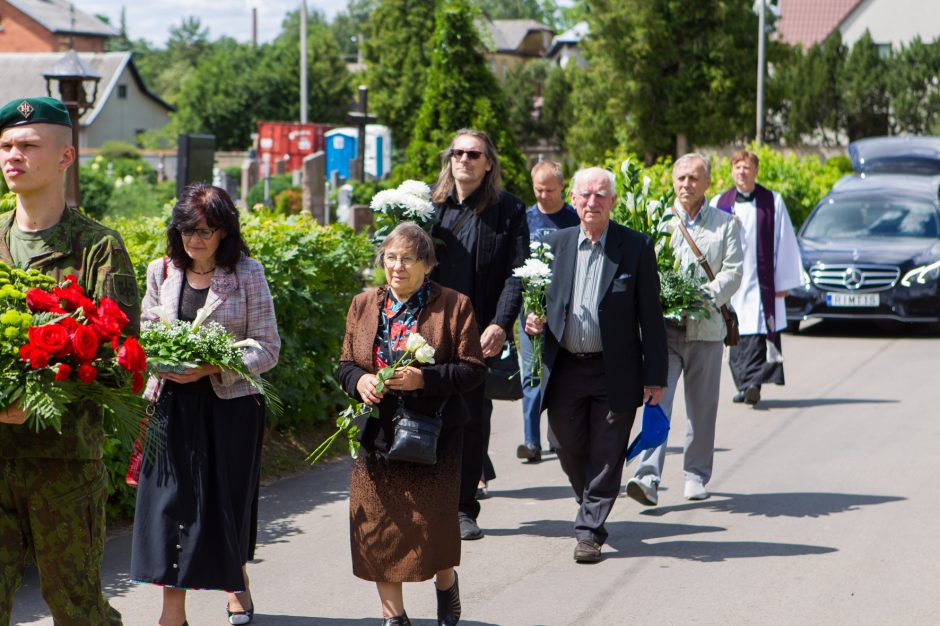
54, 511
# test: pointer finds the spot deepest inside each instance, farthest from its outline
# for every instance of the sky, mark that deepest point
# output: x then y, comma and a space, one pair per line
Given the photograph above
152, 19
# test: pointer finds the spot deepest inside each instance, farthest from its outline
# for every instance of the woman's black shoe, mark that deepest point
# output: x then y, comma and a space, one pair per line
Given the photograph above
237, 618
398, 620
448, 605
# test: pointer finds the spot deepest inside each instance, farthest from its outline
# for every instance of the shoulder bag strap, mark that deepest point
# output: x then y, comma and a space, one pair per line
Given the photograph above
725, 313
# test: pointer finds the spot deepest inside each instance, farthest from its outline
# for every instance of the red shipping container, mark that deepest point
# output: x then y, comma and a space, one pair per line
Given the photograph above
290, 140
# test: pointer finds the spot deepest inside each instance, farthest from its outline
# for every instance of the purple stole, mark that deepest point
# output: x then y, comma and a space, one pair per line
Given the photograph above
765, 250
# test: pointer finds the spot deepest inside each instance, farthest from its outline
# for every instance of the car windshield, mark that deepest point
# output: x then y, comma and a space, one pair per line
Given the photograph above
852, 218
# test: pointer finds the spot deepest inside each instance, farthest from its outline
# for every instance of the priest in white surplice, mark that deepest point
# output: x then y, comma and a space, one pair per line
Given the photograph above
772, 267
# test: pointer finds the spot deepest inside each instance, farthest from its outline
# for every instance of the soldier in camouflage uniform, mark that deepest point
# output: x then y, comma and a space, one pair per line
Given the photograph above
54, 486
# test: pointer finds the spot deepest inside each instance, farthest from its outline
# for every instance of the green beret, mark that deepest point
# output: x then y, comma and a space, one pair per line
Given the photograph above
43, 110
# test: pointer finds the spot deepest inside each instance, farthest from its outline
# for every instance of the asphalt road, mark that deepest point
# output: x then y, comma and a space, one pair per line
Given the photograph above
824, 510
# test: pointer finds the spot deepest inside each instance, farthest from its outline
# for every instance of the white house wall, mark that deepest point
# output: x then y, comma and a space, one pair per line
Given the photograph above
893, 21
121, 119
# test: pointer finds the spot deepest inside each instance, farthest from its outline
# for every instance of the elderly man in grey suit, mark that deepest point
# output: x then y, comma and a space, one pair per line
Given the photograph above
605, 350
695, 345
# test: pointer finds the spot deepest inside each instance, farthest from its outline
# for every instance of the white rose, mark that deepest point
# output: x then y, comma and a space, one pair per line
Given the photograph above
415, 342
425, 354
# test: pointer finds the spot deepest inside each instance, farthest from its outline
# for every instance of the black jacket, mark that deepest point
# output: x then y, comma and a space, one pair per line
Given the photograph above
631, 318
502, 244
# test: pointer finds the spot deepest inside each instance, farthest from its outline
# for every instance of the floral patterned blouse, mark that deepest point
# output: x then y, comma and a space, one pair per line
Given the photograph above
396, 323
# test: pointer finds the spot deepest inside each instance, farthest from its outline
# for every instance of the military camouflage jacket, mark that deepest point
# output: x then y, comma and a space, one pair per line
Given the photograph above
97, 257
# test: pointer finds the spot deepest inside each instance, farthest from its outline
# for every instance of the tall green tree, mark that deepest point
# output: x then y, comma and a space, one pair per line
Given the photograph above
915, 87
679, 73
397, 50
543, 11
865, 90
350, 25
460, 92
815, 82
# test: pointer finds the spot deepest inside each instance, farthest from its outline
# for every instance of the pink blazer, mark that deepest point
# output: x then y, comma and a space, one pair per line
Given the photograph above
240, 301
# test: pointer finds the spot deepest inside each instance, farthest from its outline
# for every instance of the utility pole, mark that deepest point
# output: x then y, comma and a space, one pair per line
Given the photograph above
761, 38
303, 61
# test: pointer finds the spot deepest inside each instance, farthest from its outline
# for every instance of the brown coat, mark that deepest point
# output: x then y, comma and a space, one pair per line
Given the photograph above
448, 324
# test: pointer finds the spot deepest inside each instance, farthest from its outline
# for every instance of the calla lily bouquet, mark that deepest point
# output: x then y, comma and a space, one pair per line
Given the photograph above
59, 348
417, 350
536, 276
176, 346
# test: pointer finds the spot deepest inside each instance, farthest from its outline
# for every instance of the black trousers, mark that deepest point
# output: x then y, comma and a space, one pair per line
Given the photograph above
476, 440
592, 439
748, 363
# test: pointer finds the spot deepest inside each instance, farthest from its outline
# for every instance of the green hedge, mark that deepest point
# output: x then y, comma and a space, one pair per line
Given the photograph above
803, 181
313, 272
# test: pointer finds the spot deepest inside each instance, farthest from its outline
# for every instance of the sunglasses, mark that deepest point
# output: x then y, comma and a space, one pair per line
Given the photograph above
472, 155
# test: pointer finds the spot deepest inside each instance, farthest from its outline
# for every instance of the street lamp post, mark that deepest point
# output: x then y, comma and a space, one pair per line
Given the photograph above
72, 74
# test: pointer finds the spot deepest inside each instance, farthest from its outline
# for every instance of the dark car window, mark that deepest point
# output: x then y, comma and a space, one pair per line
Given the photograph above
853, 218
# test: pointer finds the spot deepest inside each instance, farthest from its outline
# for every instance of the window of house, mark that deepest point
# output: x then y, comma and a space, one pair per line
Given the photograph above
122, 92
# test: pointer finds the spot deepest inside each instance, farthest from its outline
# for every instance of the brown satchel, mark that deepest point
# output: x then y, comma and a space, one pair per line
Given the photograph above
730, 317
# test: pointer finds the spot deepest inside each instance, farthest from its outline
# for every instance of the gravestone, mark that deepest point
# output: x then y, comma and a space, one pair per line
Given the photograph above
249, 177
344, 204
194, 161
314, 183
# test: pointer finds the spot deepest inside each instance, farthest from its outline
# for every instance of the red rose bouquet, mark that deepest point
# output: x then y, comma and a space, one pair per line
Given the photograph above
59, 347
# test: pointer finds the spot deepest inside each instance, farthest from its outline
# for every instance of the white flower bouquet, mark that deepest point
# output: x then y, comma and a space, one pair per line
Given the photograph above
417, 350
536, 276
177, 346
410, 201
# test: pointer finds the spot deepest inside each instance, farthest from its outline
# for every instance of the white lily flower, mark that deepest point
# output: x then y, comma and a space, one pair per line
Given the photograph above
415, 342
646, 185
247, 343
201, 316
160, 312
425, 354
625, 167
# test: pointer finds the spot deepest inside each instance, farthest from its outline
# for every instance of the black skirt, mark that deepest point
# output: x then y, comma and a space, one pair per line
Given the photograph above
197, 502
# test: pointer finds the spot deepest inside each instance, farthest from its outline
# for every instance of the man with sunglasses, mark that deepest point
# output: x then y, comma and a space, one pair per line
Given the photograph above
484, 236
54, 485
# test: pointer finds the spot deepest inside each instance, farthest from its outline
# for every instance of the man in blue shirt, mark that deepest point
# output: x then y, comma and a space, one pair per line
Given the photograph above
548, 214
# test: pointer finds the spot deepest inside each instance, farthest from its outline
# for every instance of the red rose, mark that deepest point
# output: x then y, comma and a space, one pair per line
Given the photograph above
87, 372
72, 296
70, 278
25, 351
85, 343
131, 356
39, 300
50, 338
63, 372
70, 323
137, 383
108, 319
37, 358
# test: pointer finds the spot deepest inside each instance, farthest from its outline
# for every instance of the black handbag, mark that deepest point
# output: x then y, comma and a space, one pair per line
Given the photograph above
415, 437
503, 379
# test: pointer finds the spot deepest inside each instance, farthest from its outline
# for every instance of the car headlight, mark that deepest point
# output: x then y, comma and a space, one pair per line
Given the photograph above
921, 274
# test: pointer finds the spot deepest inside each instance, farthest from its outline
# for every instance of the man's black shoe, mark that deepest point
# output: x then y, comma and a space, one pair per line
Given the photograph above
469, 529
531, 452
738, 397
752, 395
587, 551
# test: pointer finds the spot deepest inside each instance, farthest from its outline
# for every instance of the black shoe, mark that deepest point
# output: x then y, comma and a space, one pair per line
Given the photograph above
237, 618
531, 452
483, 492
469, 529
738, 397
398, 620
448, 605
752, 395
587, 551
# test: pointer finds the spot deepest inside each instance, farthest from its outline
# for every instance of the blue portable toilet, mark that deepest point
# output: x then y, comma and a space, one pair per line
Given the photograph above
341, 148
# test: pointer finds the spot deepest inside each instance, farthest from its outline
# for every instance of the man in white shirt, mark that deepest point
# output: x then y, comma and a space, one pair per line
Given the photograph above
772, 267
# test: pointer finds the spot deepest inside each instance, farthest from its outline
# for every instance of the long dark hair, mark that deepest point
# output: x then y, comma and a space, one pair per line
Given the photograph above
205, 201
490, 187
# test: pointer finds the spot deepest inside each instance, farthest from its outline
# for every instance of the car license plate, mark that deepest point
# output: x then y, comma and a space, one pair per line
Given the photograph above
852, 299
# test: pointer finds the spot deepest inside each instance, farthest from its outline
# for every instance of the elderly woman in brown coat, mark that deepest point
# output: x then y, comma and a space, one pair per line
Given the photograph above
403, 516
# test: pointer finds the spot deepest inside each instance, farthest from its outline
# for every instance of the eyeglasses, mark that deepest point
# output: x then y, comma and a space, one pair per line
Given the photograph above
203, 233
406, 261
472, 155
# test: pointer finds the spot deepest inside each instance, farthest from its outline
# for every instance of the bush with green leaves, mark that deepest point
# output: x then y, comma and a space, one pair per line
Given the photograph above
113, 150
276, 184
97, 188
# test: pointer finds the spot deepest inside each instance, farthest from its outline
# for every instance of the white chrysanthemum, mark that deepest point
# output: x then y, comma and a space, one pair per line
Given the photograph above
417, 208
416, 188
533, 269
386, 199
425, 354
415, 342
